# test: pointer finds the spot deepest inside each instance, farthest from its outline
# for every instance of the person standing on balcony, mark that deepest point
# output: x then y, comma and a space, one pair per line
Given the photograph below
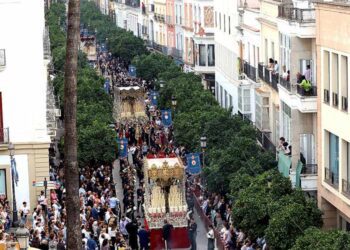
307, 73
276, 68
271, 64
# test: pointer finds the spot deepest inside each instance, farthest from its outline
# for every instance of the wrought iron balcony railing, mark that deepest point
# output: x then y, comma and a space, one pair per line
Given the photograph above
250, 71
295, 14
331, 178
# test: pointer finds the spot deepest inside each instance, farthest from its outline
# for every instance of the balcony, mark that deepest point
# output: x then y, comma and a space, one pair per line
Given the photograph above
346, 188
265, 142
308, 177
175, 53
297, 21
331, 178
297, 97
133, 3
4, 136
268, 76
311, 92
250, 71
286, 84
292, 14
160, 48
159, 17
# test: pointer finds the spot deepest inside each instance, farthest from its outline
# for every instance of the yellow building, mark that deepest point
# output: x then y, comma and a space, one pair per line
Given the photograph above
333, 51
269, 49
160, 27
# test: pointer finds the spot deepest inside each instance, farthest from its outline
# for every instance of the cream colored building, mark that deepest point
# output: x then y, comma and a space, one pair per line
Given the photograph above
24, 95
333, 54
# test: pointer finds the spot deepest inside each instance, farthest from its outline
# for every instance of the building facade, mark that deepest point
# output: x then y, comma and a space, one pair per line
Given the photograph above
333, 51
226, 55
24, 78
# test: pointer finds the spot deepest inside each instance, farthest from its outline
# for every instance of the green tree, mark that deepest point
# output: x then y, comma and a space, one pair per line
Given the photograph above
315, 238
150, 66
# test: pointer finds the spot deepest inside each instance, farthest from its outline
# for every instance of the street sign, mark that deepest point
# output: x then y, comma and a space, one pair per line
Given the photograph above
50, 184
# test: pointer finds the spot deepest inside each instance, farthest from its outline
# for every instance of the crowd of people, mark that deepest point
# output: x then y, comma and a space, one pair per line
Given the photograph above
113, 218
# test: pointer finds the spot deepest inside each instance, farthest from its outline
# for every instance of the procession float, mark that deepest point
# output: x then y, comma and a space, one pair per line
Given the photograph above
165, 198
88, 45
130, 105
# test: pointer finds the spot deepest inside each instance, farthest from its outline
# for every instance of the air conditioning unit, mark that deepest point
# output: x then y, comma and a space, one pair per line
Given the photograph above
58, 112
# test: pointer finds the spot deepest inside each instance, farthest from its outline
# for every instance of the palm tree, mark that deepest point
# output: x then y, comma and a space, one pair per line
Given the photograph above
71, 169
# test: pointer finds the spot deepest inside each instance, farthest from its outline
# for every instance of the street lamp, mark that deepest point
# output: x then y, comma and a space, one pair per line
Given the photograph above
11, 149
22, 235
161, 83
203, 143
173, 101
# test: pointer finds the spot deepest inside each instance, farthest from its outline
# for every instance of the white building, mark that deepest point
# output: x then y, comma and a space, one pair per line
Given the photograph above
129, 16
227, 53
23, 97
204, 44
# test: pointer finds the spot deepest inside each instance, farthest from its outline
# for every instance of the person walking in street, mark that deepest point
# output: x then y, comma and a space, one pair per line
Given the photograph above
167, 234
192, 231
211, 238
143, 238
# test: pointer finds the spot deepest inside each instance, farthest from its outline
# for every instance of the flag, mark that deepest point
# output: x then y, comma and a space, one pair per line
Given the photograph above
132, 70
154, 97
122, 147
14, 170
193, 163
166, 117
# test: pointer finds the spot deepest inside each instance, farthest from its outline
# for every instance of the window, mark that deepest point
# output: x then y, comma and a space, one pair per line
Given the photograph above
240, 99
273, 50
221, 90
303, 67
226, 100
334, 159
220, 20
335, 73
266, 52
229, 25
202, 55
285, 51
262, 113
199, 15
216, 19
248, 53
344, 82
3, 182
326, 76
286, 120
246, 100
347, 153
224, 23
231, 104
211, 55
